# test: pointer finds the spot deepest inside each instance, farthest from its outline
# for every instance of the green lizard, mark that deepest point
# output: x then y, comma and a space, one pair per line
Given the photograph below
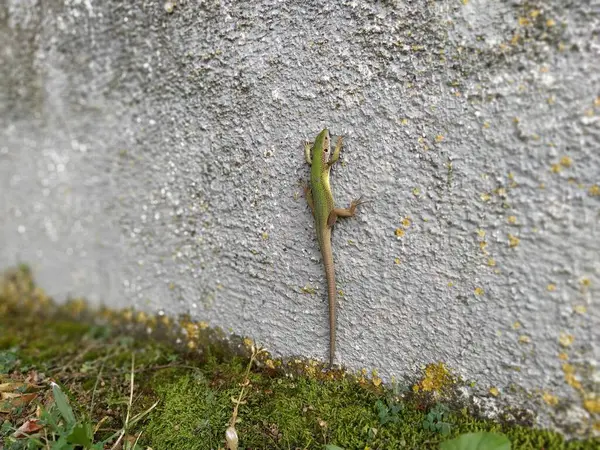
320, 200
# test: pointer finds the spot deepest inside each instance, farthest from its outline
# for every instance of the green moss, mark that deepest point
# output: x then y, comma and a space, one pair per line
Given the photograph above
195, 389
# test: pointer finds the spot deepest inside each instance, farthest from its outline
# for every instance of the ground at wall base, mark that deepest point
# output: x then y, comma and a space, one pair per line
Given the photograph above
185, 389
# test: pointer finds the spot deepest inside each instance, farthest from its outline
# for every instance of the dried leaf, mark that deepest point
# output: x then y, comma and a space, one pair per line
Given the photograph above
29, 427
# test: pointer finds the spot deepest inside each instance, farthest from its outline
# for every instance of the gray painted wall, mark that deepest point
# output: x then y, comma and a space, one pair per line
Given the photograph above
151, 156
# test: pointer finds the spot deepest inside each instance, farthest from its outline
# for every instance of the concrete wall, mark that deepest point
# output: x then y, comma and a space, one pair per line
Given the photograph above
151, 156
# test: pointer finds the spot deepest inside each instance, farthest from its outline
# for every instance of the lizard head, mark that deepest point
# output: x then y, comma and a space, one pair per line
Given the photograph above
323, 145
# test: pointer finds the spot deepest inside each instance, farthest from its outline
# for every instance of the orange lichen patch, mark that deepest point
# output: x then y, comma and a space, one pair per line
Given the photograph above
550, 399
565, 161
551, 287
513, 241
479, 291
563, 356
494, 391
570, 378
439, 138
566, 340
437, 378
399, 232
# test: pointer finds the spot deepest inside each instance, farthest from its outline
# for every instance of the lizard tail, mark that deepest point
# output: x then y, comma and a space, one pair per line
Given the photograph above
331, 294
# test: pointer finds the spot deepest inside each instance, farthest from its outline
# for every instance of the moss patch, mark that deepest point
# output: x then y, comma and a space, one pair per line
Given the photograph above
90, 356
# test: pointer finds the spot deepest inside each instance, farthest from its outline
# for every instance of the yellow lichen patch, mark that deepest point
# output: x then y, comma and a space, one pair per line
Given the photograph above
479, 291
551, 287
491, 262
450, 284
513, 241
524, 339
516, 325
550, 399
406, 222
570, 378
482, 246
592, 404
494, 391
437, 378
524, 21
439, 138
566, 340
565, 161
563, 356
501, 192
485, 197
265, 236
248, 343
375, 379
550, 23
399, 232
481, 233
397, 261
486, 125
580, 309
512, 219
594, 191
585, 282
555, 168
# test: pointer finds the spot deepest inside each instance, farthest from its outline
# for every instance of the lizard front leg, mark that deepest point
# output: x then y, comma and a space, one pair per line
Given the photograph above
336, 152
344, 212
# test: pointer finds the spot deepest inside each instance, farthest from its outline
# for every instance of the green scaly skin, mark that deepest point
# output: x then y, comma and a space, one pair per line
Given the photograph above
320, 200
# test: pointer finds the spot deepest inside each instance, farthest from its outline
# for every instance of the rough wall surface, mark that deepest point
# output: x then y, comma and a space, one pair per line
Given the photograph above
151, 156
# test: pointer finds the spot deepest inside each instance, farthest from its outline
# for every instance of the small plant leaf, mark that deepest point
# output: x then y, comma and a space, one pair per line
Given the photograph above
477, 441
8, 360
81, 435
444, 428
62, 403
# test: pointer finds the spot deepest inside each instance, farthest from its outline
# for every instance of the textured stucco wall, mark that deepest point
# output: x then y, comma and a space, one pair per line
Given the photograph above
153, 159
